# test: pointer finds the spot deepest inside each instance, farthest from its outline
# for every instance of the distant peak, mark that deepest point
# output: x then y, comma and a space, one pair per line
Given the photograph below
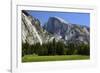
61, 19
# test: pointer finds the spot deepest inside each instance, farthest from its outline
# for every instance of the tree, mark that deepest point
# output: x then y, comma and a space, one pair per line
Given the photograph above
71, 48
25, 49
84, 49
60, 48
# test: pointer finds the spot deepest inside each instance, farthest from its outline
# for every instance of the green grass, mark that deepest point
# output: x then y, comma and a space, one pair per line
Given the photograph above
32, 58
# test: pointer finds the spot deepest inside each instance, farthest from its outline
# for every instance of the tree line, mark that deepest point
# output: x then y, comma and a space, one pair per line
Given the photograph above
55, 48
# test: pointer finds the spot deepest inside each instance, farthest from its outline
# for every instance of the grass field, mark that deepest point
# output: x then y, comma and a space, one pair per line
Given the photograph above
32, 58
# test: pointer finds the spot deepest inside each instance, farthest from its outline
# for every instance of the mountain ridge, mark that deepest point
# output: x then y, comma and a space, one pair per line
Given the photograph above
55, 28
67, 31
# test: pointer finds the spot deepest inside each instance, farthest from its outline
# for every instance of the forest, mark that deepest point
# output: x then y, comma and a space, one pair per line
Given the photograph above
55, 48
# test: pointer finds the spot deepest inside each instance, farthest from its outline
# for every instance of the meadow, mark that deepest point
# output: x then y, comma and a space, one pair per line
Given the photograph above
32, 58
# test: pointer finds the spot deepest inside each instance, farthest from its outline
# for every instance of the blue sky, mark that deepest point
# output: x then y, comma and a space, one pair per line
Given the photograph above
71, 17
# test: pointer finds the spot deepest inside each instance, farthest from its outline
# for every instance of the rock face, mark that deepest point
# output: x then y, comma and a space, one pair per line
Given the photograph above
55, 28
32, 32
67, 31
29, 32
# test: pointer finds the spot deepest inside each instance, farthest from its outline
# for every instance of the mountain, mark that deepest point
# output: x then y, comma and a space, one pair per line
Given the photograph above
67, 31
32, 32
55, 28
